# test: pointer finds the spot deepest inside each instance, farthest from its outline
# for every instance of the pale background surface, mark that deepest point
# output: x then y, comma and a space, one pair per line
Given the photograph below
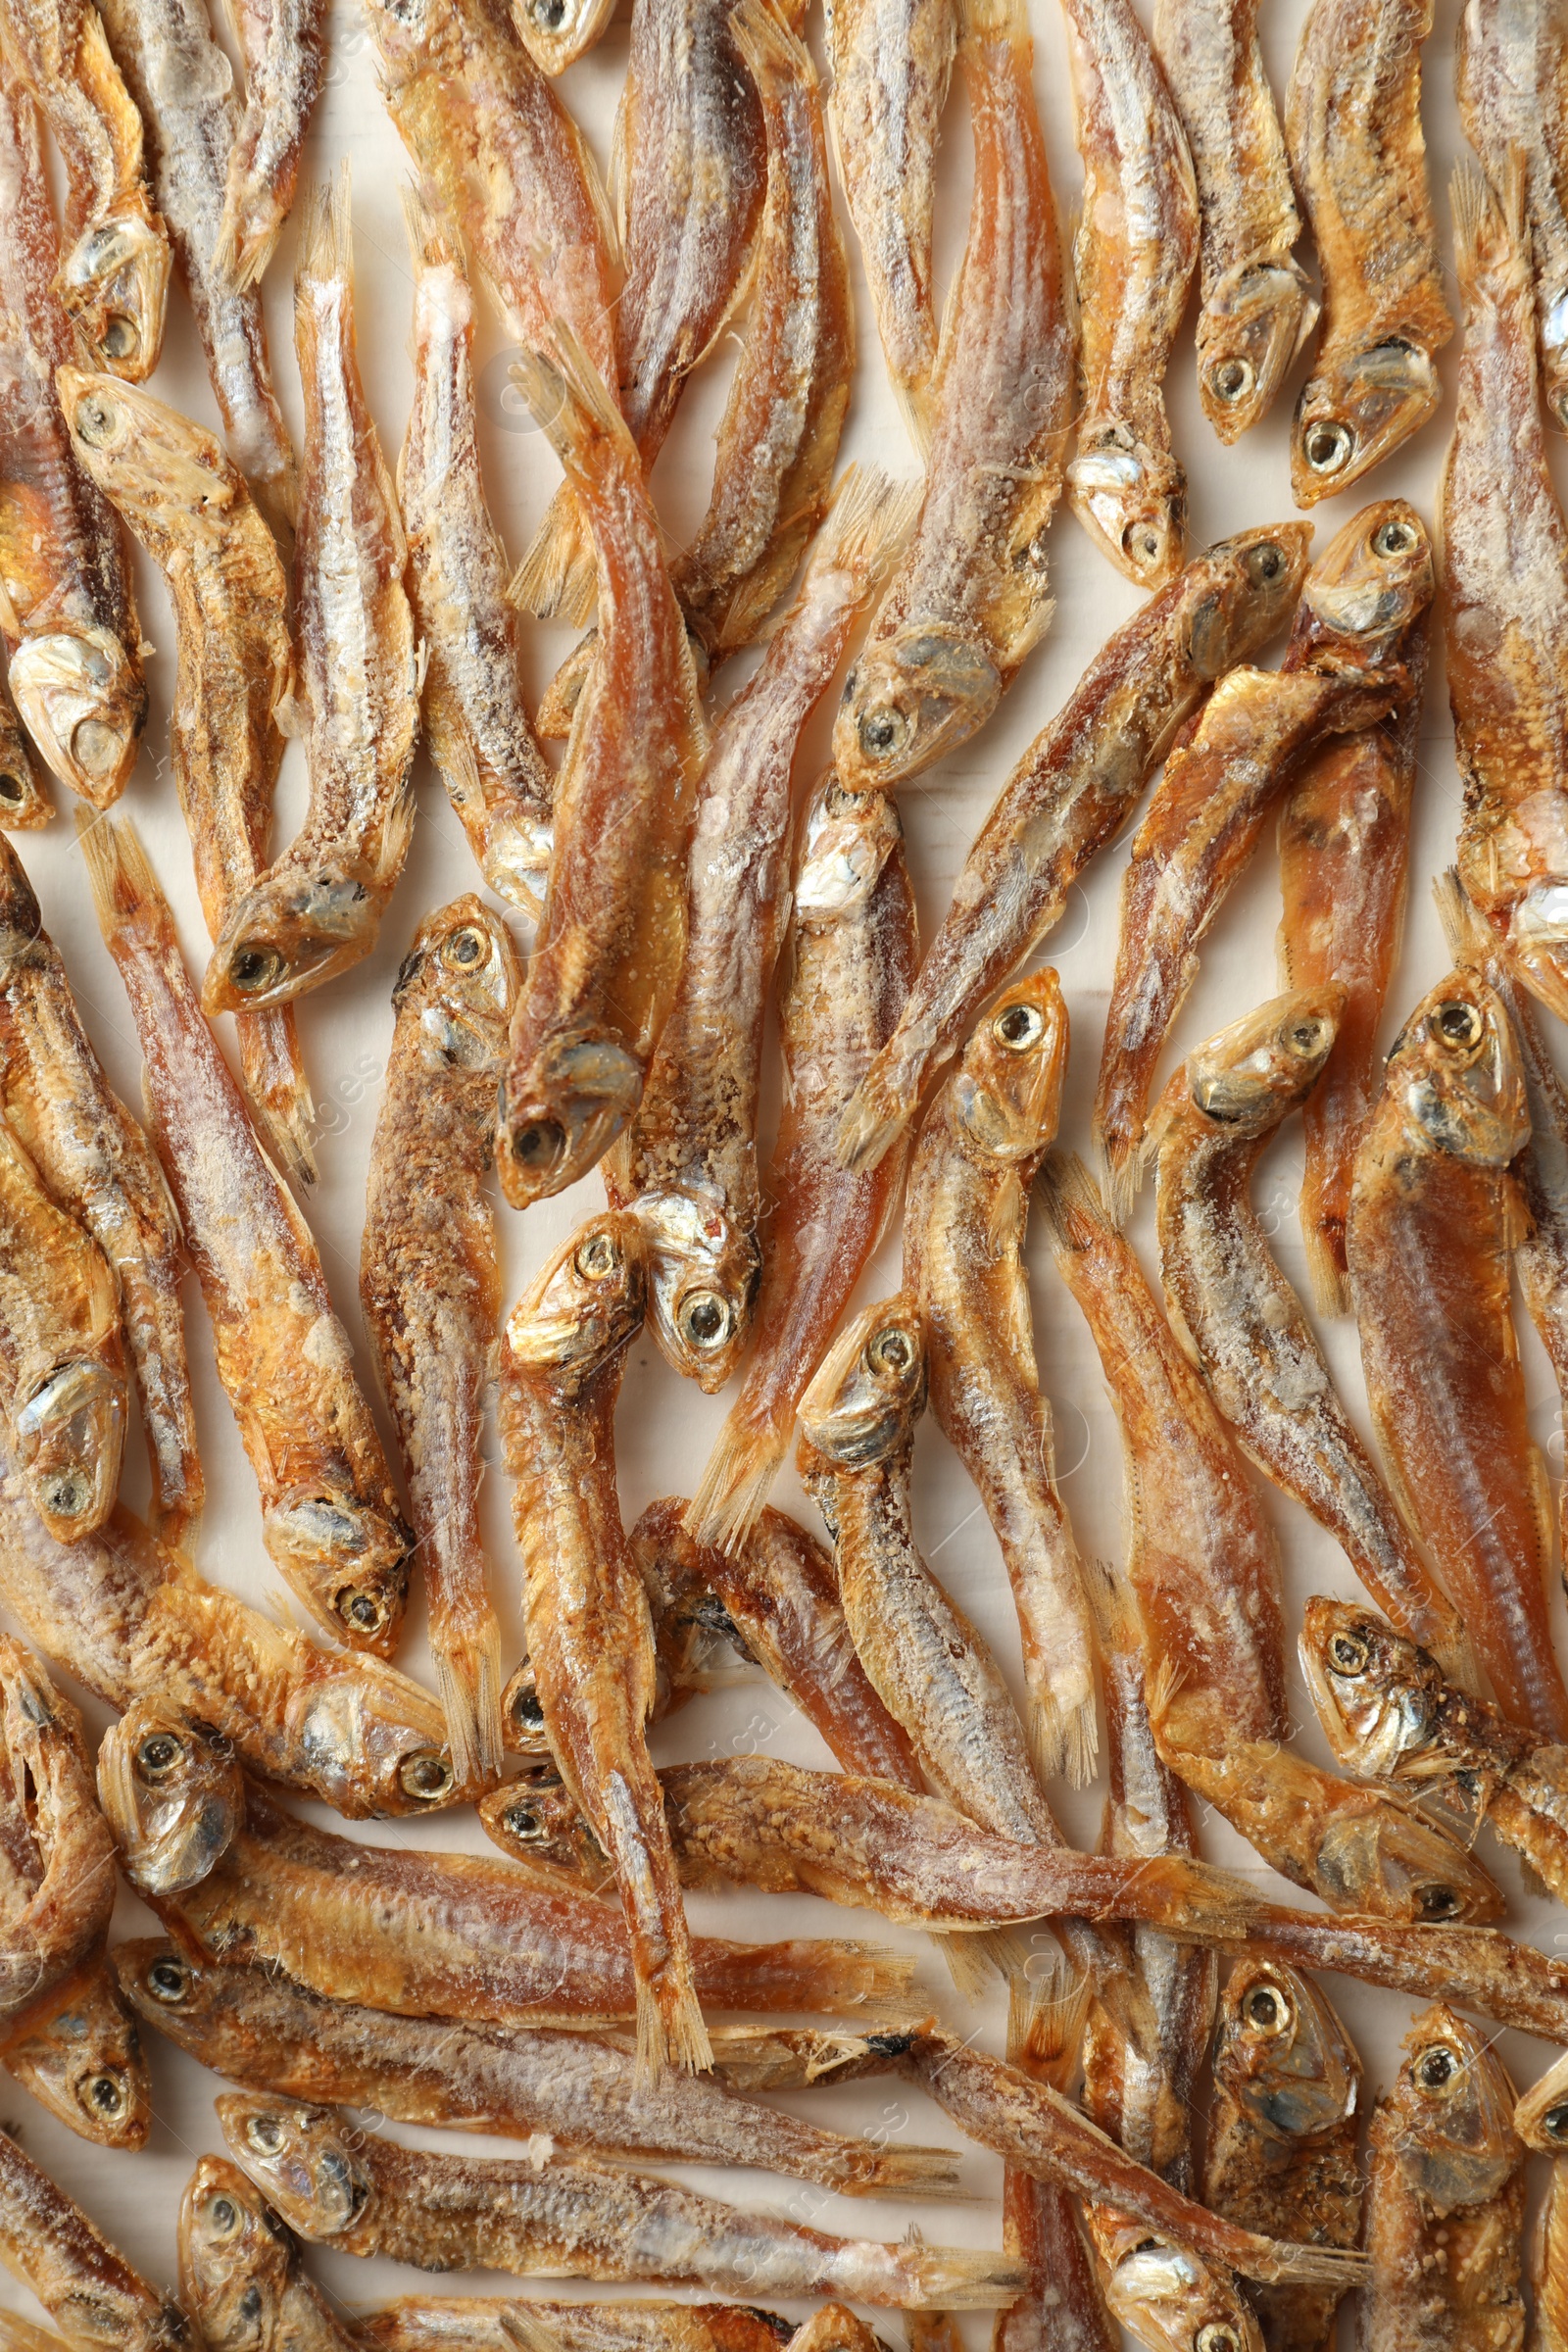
665, 1426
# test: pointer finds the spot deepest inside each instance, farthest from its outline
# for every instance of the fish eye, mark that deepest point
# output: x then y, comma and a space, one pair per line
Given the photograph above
1393, 538
169, 1980
1554, 2123
1218, 2336
121, 341
1306, 1038
95, 417
1348, 1653
1435, 2068
158, 1753
1231, 379
427, 1774
68, 1495
599, 1256
890, 1351
538, 1145
1327, 447
548, 15
250, 2305
106, 2095
1458, 1024
1019, 1027
1437, 1902
1140, 543
1266, 564
222, 2217
525, 1824
252, 968
13, 791
365, 1612
705, 1320
465, 947
1267, 2010
526, 1711
883, 731
266, 2135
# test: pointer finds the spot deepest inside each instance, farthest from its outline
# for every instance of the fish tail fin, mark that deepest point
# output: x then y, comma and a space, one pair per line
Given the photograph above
126, 895
748, 1454
916, 407
841, 1975
874, 1119
430, 240
557, 579
903, 2172
467, 1656
993, 20
278, 1091
770, 50
575, 407
1330, 1284
969, 1963
558, 705
869, 521
1045, 2020
952, 2278
1071, 1205
1063, 1741
1471, 941
669, 2031
243, 259
1490, 240
1120, 1162
327, 231
1113, 1605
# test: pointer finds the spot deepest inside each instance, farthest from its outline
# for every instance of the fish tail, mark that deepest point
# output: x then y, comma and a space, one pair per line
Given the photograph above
968, 1963
1071, 1201
993, 20
1331, 1287
1121, 1175
575, 409
1490, 240
669, 2031
1113, 1605
557, 579
429, 240
1470, 940
558, 705
869, 521
949, 2279
865, 2169
770, 50
1063, 1741
746, 1457
874, 1119
1046, 2021
277, 1089
125, 889
467, 1656
326, 232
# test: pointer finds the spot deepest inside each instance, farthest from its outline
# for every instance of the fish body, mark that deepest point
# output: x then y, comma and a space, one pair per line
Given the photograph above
88, 2288
1434, 1210
317, 909
1352, 120
330, 1517
1241, 1321
968, 603
1513, 103
1344, 669
240, 2273
1063, 2308
1069, 796
478, 728
473, 2324
284, 44
1257, 306
67, 607
846, 970
430, 1287
188, 506
982, 1140
577, 2220
1446, 2199
1137, 248
604, 971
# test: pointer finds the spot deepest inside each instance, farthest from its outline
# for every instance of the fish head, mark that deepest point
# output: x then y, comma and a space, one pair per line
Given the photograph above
558, 1117
114, 287
1384, 1856
374, 1743
1536, 926
173, 1794
83, 700
1282, 2054
1541, 2118
290, 932
556, 32
327, 1539
1238, 593
536, 1821
24, 803
1133, 501
1373, 579
84, 2062
1455, 1072
1254, 1073
869, 1390
1449, 2115
237, 2258
1172, 2301
21, 917
1252, 325
524, 1716
911, 699
150, 462
586, 1302
845, 840
457, 984
299, 2159
703, 1273
69, 1435
1353, 413
1006, 1090
1375, 1690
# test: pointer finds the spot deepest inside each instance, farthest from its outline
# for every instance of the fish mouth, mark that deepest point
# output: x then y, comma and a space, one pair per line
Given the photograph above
1355, 411
910, 700
82, 701
351, 1558
556, 32
114, 285
1252, 325
69, 1437
1133, 501
559, 1123
289, 935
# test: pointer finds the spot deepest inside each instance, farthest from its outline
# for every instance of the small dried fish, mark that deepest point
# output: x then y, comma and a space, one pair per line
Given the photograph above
1513, 104
1067, 797
318, 907
1258, 308
330, 1518
1504, 579
1282, 2133
983, 1138
1061, 2308
968, 603
1137, 247
240, 2271
847, 969
688, 1162
1541, 2118
24, 803
50, 2245
1352, 120
430, 1288
1434, 1212
1344, 669
66, 603
497, 2324
364, 2195
189, 507
112, 280
1446, 2198
1242, 1325
604, 971
579, 2088
80, 2055
283, 45
1548, 2265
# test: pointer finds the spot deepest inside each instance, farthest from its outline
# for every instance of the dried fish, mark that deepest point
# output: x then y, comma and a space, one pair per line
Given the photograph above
1446, 2198
847, 970
173, 1793
24, 803
112, 281
1137, 247
1067, 797
1548, 2265
1258, 308
580, 2090
1242, 1325
496, 2324
49, 2244
480, 738
1434, 1211
316, 909
66, 603
1513, 104
240, 2271
603, 973
189, 507
983, 1138
330, 1518
430, 1287
364, 2195
283, 45
967, 604
1344, 669
1352, 120
80, 2055
688, 1162
1061, 2308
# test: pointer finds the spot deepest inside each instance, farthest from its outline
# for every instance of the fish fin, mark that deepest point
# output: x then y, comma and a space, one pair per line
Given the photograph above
1062, 1745
993, 20
872, 1120
916, 407
126, 895
944, 2279
618, 187
277, 1089
1071, 1201
526, 2329
557, 579
737, 1482
327, 235
912, 2173
1113, 1606
970, 1962
1330, 1284
768, 47
677, 2038
559, 703
867, 523
571, 401
1045, 2020
468, 1678
432, 239
1485, 240
1471, 941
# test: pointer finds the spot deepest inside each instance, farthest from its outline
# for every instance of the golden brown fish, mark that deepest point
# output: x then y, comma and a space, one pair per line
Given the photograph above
1069, 796
48, 2243
1061, 2308
968, 603
283, 46
494, 2323
189, 507
1352, 119
330, 1518
66, 604
1136, 249
1513, 103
